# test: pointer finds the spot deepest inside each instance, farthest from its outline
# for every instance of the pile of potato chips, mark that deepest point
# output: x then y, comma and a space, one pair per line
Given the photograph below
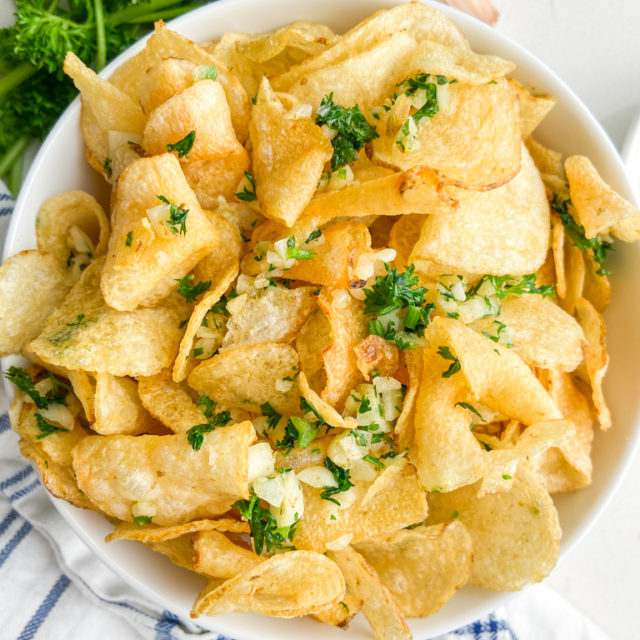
338, 337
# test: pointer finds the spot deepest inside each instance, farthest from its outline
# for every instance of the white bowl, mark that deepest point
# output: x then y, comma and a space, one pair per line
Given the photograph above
60, 166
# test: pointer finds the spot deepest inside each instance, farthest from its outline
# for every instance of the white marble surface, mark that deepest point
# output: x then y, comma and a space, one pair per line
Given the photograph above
595, 48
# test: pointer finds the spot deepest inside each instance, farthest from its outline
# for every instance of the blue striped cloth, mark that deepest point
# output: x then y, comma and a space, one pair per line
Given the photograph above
51, 584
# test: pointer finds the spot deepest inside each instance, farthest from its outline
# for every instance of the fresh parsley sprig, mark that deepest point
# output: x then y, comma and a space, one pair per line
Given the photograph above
507, 285
248, 195
46, 428
177, 221
341, 476
191, 291
296, 253
183, 147
454, 367
56, 395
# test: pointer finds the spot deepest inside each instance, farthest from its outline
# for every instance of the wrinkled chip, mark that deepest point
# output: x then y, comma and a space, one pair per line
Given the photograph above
548, 161
575, 274
596, 288
164, 474
164, 80
348, 328
118, 409
403, 237
378, 605
515, 533
154, 533
84, 333
216, 556
247, 377
502, 231
596, 358
129, 74
22, 317
275, 315
145, 260
286, 585
226, 254
393, 500
375, 354
544, 335
473, 141
178, 550
322, 408
66, 210
533, 109
557, 248
289, 154
404, 429
84, 388
311, 342
341, 614
422, 567
599, 209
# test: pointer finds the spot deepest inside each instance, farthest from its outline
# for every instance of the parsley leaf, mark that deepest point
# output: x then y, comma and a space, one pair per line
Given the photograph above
46, 428
248, 195
191, 291
295, 253
221, 419
506, 286
183, 146
207, 405
353, 130
273, 417
341, 476
129, 239
140, 521
195, 435
177, 222
423, 82
445, 352
24, 382
107, 167
298, 432
314, 235
470, 407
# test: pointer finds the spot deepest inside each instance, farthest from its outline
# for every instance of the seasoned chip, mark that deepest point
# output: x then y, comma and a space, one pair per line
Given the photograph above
596, 288
322, 408
163, 477
216, 556
533, 109
22, 317
247, 377
422, 567
502, 231
159, 234
226, 255
375, 354
515, 533
164, 80
404, 429
341, 614
84, 388
286, 585
155, 533
84, 333
311, 342
575, 274
403, 237
547, 160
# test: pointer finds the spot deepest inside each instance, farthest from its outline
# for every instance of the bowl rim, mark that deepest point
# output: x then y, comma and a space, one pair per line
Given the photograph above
616, 174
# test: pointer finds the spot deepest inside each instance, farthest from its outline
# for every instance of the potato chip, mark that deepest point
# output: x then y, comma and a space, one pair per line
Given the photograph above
546, 160
375, 354
22, 317
393, 501
596, 358
378, 605
247, 377
575, 274
165, 79
163, 476
404, 429
516, 533
216, 556
322, 408
348, 328
557, 248
403, 237
473, 141
312, 340
153, 243
502, 231
128, 75
84, 333
533, 109
286, 585
184, 362
226, 255
598, 208
289, 154
118, 409
84, 389
57, 217
341, 614
596, 288
422, 567
274, 315
178, 550
544, 335
155, 533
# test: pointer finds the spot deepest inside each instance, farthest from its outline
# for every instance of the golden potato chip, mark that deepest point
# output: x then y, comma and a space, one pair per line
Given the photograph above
546, 160
403, 237
575, 275
169, 402
118, 409
496, 376
164, 43
59, 215
286, 585
163, 477
596, 358
348, 328
154, 242
216, 556
404, 429
84, 388
364, 78
289, 154
84, 333
392, 501
376, 354
557, 248
274, 315
566, 467
178, 550
422, 567
322, 408
516, 533
533, 109
312, 340
474, 141
378, 605
596, 288
165, 79
598, 208
226, 254
544, 335
184, 362
22, 316
341, 614
247, 377
502, 231
155, 533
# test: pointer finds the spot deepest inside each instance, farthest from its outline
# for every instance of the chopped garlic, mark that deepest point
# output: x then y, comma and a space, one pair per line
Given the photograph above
344, 450
299, 111
340, 178
80, 241
143, 509
367, 262
261, 461
291, 508
317, 476
340, 298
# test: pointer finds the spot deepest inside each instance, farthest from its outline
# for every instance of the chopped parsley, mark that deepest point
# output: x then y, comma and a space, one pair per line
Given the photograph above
264, 527
78, 321
207, 405
140, 521
376, 462
195, 435
445, 352
205, 72
470, 407
499, 328
248, 195
298, 432
506, 476
220, 307
107, 167
177, 222
191, 291
129, 239
577, 236
182, 147
354, 131
506, 286
273, 417
56, 395
295, 253
314, 235
341, 476
46, 428
454, 515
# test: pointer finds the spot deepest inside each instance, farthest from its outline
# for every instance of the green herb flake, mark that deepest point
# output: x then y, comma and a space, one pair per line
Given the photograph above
191, 291
46, 428
183, 147
177, 222
376, 462
21, 379
470, 407
248, 195
445, 352
454, 515
140, 521
294, 253
273, 417
206, 405
129, 239
195, 435
205, 72
342, 478
107, 167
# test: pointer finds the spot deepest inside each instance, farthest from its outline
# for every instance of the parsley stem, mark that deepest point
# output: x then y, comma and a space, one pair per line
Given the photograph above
15, 177
101, 37
13, 154
16, 77
132, 13
165, 14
